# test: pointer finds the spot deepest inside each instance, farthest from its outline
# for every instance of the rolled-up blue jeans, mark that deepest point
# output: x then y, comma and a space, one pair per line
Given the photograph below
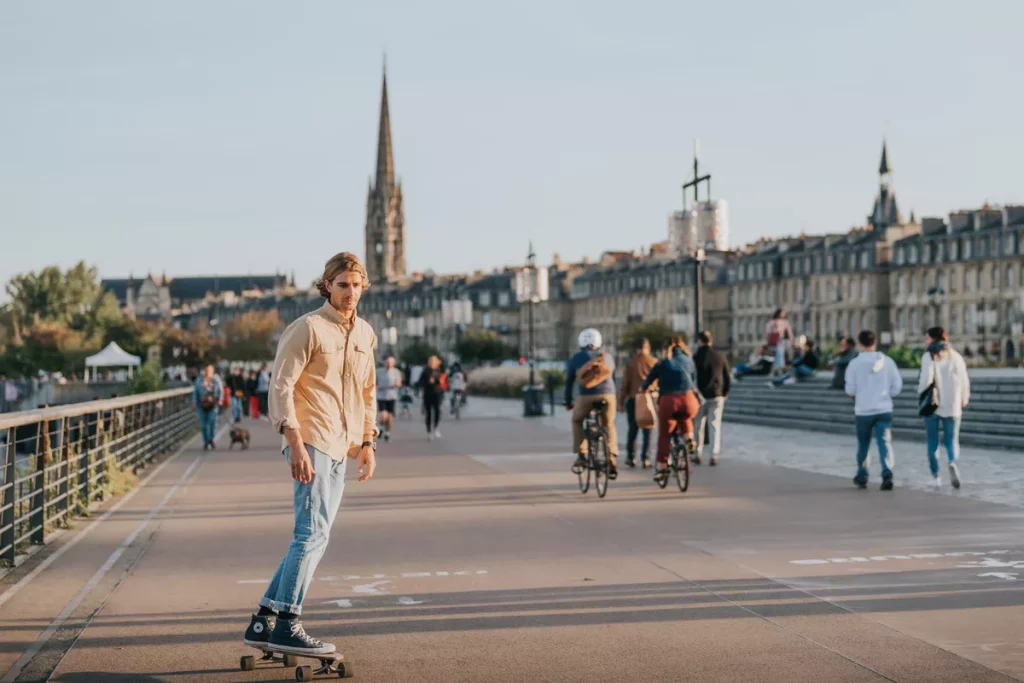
879, 426
208, 424
236, 408
316, 505
950, 439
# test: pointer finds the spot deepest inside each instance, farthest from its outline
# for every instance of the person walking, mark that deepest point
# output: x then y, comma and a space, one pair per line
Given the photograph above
206, 397
713, 382
778, 334
431, 381
847, 352
263, 391
388, 384
873, 380
323, 402
633, 375
944, 368
236, 390
251, 383
678, 402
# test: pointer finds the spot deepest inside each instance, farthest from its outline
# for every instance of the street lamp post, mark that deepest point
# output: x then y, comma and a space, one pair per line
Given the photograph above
698, 249
529, 293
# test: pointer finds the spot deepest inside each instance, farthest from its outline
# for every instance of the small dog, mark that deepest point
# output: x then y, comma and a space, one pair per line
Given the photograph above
239, 435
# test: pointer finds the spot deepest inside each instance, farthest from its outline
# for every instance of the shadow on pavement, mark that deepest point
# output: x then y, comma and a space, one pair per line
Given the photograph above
583, 605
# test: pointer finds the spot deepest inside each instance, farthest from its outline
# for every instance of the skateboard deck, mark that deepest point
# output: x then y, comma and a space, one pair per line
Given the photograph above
330, 663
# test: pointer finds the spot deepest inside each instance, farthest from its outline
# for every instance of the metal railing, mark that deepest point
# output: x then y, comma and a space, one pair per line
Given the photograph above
58, 462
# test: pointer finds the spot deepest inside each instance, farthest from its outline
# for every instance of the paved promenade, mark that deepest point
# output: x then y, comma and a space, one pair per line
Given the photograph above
476, 559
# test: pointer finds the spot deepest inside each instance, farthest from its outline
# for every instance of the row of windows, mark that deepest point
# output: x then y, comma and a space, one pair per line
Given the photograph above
828, 325
806, 265
967, 280
963, 248
967, 319
797, 291
482, 299
661, 280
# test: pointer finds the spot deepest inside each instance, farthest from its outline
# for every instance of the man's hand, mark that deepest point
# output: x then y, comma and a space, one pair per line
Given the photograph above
298, 458
367, 462
570, 405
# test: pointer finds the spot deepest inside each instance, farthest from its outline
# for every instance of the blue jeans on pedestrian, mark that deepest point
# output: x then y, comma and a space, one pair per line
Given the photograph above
236, 408
950, 438
316, 505
208, 423
879, 426
798, 371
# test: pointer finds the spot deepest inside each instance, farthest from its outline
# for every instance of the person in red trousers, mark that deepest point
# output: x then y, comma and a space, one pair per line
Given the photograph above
678, 404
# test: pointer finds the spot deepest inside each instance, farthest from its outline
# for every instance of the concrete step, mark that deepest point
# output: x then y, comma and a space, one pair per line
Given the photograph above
972, 424
781, 397
846, 427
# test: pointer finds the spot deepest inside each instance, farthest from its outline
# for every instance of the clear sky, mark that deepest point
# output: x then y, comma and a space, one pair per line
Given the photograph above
217, 136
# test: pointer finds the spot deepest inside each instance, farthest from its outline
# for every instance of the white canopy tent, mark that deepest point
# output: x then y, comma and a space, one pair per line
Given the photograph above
112, 356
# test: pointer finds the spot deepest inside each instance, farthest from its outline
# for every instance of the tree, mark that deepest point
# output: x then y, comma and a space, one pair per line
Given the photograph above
193, 347
150, 378
74, 298
658, 332
418, 352
251, 336
482, 346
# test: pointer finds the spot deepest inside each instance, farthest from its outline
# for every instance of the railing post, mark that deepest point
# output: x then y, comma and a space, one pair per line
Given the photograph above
37, 504
92, 440
7, 499
64, 506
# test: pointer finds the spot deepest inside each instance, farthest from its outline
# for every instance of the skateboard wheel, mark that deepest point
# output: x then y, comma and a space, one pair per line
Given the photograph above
291, 660
248, 663
345, 670
303, 673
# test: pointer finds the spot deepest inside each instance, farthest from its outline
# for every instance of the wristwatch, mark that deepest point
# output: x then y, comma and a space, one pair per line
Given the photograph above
371, 444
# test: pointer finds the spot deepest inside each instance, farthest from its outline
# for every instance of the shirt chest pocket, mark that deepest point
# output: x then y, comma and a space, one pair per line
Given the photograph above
329, 358
360, 359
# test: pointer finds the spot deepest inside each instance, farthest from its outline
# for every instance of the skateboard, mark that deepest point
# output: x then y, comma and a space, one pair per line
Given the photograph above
331, 663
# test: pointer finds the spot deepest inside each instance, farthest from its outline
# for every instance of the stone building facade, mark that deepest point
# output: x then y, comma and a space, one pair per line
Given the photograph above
963, 273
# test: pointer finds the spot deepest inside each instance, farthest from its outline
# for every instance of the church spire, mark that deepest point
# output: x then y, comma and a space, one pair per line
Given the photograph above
883, 167
385, 161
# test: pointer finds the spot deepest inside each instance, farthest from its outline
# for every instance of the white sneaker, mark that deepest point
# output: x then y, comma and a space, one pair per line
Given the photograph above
936, 483
437, 433
430, 436
954, 475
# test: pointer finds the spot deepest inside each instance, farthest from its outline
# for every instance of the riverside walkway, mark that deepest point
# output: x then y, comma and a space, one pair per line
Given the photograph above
475, 558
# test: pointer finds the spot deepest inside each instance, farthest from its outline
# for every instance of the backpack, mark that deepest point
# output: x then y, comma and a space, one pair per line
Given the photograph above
209, 399
593, 372
774, 337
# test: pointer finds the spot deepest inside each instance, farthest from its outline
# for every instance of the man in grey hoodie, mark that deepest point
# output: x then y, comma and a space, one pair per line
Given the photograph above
872, 380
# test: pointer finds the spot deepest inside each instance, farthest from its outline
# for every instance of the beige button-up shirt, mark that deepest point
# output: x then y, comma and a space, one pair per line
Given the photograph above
324, 382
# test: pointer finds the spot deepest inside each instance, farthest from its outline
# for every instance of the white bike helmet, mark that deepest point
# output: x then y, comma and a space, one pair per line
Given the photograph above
590, 337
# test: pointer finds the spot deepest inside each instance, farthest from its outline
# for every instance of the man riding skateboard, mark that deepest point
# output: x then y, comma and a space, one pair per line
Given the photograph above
323, 402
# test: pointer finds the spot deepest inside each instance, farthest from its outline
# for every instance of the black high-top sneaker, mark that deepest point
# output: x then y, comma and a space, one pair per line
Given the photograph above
258, 632
289, 636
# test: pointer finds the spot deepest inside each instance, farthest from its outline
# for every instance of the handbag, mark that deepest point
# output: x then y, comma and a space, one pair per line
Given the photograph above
646, 411
928, 400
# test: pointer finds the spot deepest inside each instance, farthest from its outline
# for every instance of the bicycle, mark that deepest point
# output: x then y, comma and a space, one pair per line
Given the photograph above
679, 461
598, 460
457, 401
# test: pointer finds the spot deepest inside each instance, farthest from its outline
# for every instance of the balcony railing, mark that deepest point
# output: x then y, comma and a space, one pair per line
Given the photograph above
58, 462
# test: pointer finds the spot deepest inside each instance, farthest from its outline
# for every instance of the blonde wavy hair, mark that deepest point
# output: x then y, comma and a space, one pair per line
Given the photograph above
339, 263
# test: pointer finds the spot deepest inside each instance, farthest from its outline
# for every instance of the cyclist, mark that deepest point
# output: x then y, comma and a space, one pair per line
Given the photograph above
678, 404
593, 368
457, 384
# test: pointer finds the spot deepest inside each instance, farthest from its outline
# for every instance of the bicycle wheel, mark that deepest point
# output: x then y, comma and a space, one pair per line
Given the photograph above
602, 466
662, 481
681, 465
584, 474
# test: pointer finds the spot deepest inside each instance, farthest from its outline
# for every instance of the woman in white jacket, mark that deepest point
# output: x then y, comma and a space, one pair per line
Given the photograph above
946, 368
